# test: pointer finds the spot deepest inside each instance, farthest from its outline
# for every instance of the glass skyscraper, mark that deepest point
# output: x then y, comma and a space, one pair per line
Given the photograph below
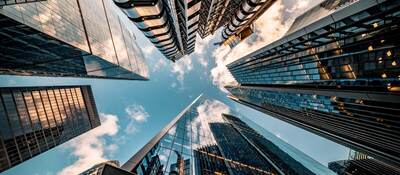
75, 38
234, 16
171, 25
36, 119
194, 143
361, 164
335, 73
12, 2
106, 168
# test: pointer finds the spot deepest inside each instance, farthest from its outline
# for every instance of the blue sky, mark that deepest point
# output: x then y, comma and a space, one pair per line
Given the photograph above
132, 112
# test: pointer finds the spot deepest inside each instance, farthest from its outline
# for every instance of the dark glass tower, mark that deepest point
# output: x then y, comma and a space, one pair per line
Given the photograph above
194, 143
106, 168
361, 164
335, 73
36, 119
74, 38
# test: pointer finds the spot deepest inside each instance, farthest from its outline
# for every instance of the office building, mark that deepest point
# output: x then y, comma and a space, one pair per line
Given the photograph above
74, 38
335, 73
234, 16
36, 119
13, 2
106, 168
194, 143
240, 25
361, 164
171, 25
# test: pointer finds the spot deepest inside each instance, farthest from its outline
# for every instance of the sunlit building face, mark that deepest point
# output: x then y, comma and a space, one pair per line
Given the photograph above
334, 73
36, 119
68, 38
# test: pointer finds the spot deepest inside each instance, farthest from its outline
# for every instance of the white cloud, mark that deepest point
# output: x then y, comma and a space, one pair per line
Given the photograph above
159, 64
269, 27
203, 62
90, 148
210, 111
173, 84
200, 49
138, 115
148, 50
131, 128
181, 67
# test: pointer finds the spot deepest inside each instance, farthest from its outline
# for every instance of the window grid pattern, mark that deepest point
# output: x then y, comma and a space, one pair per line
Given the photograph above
13, 2
66, 38
360, 50
36, 119
214, 144
190, 147
364, 121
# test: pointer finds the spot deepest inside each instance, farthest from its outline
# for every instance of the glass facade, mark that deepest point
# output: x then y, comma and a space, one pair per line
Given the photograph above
245, 14
12, 2
235, 16
68, 38
194, 143
362, 167
210, 16
106, 168
171, 25
36, 119
359, 49
336, 76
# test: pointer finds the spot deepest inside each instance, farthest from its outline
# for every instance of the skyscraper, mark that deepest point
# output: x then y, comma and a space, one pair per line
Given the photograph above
235, 16
36, 119
75, 38
361, 164
171, 25
194, 143
106, 168
13, 2
335, 73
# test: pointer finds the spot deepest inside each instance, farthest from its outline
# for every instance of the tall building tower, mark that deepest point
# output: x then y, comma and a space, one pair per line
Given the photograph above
335, 73
220, 144
74, 38
171, 25
13, 2
36, 119
234, 16
106, 168
360, 164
